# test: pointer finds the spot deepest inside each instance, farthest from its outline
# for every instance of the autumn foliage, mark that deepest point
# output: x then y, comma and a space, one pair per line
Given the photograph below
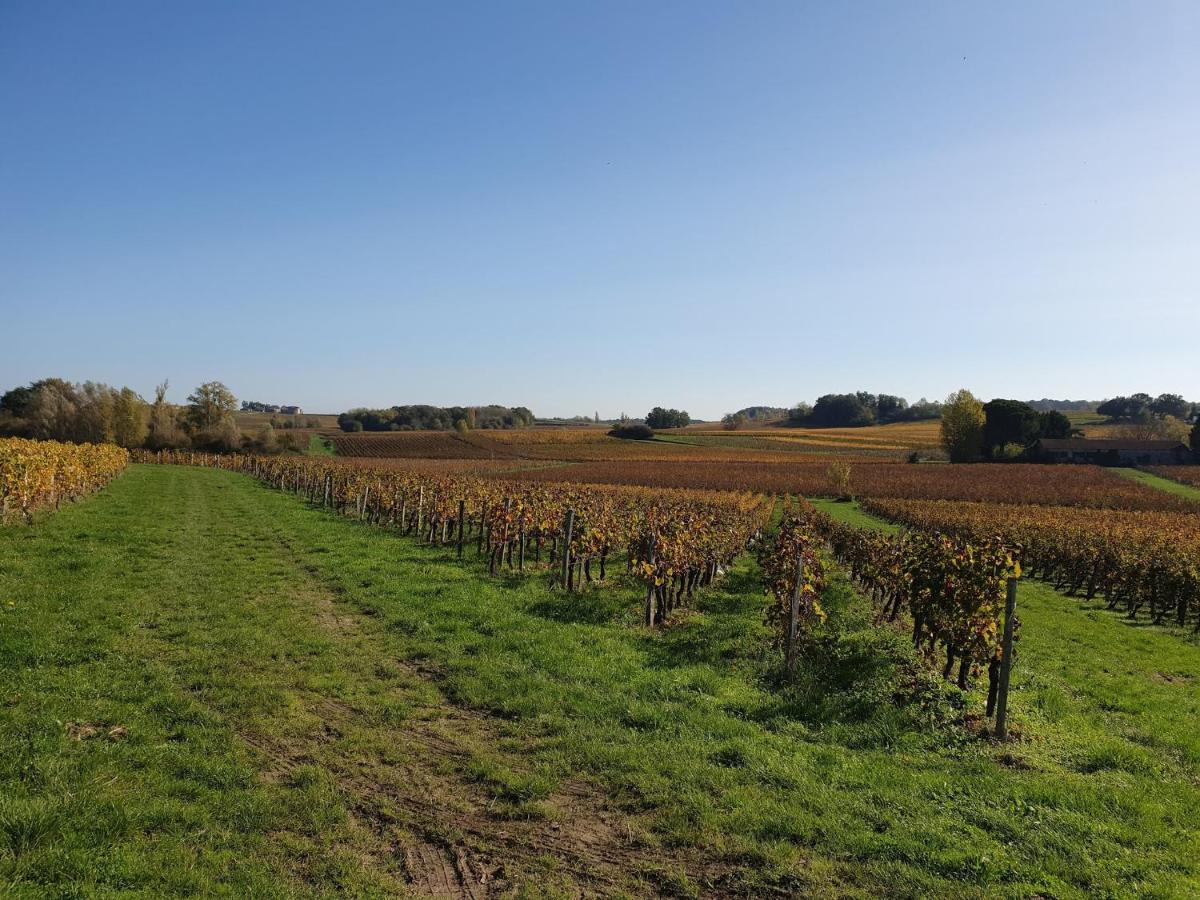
37, 474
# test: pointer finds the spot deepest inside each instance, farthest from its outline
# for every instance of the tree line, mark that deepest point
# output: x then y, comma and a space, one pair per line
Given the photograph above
861, 408
435, 418
1143, 407
90, 412
1008, 429
838, 411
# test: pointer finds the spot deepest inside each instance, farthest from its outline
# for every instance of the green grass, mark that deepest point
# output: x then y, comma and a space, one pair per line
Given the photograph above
850, 513
212, 618
320, 446
1163, 484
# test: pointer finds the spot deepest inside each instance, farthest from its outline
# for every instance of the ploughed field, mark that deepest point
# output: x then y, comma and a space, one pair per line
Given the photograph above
881, 443
212, 687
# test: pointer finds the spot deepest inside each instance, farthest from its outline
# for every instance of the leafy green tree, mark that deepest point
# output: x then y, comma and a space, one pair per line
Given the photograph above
1196, 439
94, 413
51, 414
667, 418
799, 414
129, 418
962, 426
16, 402
889, 408
633, 432
1008, 422
843, 410
1171, 405
210, 406
1054, 424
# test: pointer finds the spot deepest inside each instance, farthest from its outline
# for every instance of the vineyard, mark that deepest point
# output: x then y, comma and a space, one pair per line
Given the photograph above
1085, 486
953, 589
1140, 559
414, 444
1141, 562
675, 542
39, 474
582, 445
338, 681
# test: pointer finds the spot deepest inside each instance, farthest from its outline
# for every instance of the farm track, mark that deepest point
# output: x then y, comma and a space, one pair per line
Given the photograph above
422, 819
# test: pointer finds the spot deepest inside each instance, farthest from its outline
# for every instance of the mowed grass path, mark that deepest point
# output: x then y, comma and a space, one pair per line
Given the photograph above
207, 687
1163, 484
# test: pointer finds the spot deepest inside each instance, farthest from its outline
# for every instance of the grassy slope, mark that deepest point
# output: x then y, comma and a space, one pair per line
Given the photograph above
194, 608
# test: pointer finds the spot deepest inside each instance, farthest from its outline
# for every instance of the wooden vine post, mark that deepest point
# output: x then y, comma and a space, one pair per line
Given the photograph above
1010, 612
568, 528
793, 623
462, 515
651, 593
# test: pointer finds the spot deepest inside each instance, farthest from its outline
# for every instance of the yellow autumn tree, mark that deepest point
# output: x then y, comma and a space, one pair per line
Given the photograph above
962, 426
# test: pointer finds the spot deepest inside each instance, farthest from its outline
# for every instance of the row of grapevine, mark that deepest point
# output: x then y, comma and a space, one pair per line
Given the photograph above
953, 590
794, 576
675, 541
1140, 562
37, 474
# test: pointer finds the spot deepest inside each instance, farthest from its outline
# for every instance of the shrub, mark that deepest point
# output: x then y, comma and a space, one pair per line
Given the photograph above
1010, 450
667, 418
633, 432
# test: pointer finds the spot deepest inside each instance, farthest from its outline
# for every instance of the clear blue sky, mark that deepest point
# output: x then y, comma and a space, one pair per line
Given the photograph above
601, 206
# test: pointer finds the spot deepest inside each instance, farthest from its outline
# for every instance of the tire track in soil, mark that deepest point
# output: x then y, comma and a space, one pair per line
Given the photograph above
441, 826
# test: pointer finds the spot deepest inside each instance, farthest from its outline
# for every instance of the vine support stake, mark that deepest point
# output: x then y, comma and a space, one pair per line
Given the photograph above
1010, 614
793, 625
568, 528
462, 515
651, 605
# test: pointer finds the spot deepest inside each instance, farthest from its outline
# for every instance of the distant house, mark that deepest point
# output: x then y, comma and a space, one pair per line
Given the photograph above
1112, 452
290, 410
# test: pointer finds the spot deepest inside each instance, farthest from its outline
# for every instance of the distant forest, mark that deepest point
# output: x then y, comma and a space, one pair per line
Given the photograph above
861, 408
1046, 405
864, 408
435, 418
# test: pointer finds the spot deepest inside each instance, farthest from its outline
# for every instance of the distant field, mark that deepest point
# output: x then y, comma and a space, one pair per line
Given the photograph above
415, 444
591, 444
898, 439
548, 444
1089, 486
479, 466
